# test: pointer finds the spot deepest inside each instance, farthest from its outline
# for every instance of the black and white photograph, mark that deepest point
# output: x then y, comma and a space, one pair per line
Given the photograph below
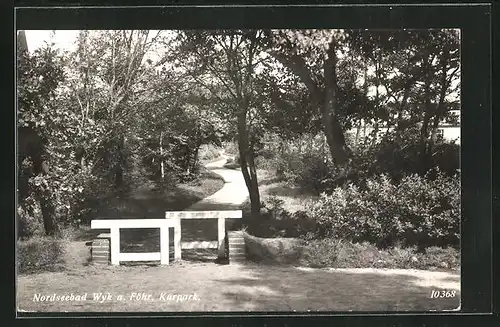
238, 170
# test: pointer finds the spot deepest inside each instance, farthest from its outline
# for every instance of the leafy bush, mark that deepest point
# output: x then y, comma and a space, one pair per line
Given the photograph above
345, 254
40, 253
399, 154
417, 211
446, 156
342, 254
310, 171
29, 218
441, 257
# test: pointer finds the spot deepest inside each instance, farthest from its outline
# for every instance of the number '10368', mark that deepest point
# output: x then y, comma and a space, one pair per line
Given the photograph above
443, 294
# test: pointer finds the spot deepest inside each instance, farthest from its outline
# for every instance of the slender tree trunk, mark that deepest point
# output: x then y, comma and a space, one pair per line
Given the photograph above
120, 162
162, 163
424, 130
377, 105
247, 164
364, 130
375, 131
440, 109
255, 194
195, 157
48, 215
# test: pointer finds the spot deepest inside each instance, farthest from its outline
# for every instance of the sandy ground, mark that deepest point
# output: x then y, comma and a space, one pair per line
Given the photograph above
248, 287
235, 287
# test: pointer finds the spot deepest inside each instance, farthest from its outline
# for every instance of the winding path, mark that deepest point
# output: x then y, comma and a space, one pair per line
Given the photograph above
231, 196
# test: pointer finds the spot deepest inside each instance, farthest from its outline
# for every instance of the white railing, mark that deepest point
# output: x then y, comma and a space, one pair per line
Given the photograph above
220, 215
116, 224
173, 220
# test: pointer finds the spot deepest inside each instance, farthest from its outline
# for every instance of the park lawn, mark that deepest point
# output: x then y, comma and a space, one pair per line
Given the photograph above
249, 287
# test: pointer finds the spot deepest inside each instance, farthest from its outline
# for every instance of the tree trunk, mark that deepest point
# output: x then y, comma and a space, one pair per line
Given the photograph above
339, 150
119, 164
31, 145
424, 130
326, 98
247, 164
48, 214
194, 162
375, 131
440, 109
254, 190
377, 106
162, 164
356, 139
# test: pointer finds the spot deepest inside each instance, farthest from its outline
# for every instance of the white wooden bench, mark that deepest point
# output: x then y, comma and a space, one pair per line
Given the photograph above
173, 220
116, 224
220, 215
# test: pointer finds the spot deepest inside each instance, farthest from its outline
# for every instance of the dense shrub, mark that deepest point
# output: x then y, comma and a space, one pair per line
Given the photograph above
29, 218
446, 156
399, 155
441, 257
73, 196
231, 148
310, 171
417, 211
40, 253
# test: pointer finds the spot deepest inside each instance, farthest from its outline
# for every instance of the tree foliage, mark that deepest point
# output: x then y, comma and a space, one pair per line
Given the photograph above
125, 106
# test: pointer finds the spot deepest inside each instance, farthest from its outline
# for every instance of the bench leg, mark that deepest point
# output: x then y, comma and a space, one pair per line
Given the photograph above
177, 239
221, 233
115, 246
164, 251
